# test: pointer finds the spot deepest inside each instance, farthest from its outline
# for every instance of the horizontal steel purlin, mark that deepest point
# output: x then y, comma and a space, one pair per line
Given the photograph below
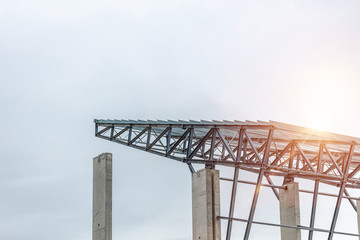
284, 187
289, 226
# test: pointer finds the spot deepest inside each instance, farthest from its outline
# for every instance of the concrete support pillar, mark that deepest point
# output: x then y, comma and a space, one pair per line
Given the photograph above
206, 205
358, 214
102, 197
290, 211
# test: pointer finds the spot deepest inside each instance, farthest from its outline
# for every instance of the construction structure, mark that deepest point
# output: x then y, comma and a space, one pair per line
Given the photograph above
267, 149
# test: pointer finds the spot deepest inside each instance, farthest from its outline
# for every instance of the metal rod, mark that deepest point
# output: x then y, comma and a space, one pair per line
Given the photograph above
201, 144
273, 188
258, 151
119, 133
148, 138
234, 187
112, 132
315, 196
232, 204
228, 155
258, 184
178, 142
281, 154
350, 200
297, 161
304, 156
333, 166
137, 136
191, 133
212, 146
289, 226
226, 144
102, 131
291, 158
341, 193
252, 146
129, 135
333, 160
157, 139
283, 187
168, 140
192, 170
252, 183
208, 151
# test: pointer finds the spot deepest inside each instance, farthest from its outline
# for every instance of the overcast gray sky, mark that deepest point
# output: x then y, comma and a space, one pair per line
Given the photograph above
64, 63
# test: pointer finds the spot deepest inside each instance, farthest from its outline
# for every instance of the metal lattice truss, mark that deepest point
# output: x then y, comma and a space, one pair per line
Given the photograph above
267, 148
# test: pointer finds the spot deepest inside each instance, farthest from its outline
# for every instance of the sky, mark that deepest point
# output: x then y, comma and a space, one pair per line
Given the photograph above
65, 63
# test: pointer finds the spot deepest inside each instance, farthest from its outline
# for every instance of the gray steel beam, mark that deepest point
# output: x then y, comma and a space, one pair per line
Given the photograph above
138, 136
253, 146
189, 146
102, 131
226, 144
119, 133
129, 135
182, 138
201, 144
158, 138
212, 146
168, 140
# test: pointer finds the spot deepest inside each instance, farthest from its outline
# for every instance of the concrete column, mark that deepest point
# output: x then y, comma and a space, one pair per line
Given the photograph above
206, 205
290, 211
358, 214
102, 197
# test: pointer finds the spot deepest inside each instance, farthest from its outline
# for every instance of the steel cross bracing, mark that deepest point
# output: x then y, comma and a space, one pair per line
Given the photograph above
266, 148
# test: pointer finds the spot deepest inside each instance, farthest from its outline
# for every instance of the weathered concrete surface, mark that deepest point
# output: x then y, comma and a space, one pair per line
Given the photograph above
102, 197
206, 205
290, 211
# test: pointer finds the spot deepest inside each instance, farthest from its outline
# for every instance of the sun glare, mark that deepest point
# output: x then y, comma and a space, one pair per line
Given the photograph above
320, 124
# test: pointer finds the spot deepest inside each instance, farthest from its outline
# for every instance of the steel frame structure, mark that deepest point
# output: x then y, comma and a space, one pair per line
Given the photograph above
265, 148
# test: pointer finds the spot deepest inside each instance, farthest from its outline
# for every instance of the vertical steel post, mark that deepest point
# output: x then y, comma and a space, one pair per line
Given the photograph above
129, 136
316, 190
264, 164
189, 146
234, 187
168, 140
148, 138
291, 159
212, 146
112, 132
341, 191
